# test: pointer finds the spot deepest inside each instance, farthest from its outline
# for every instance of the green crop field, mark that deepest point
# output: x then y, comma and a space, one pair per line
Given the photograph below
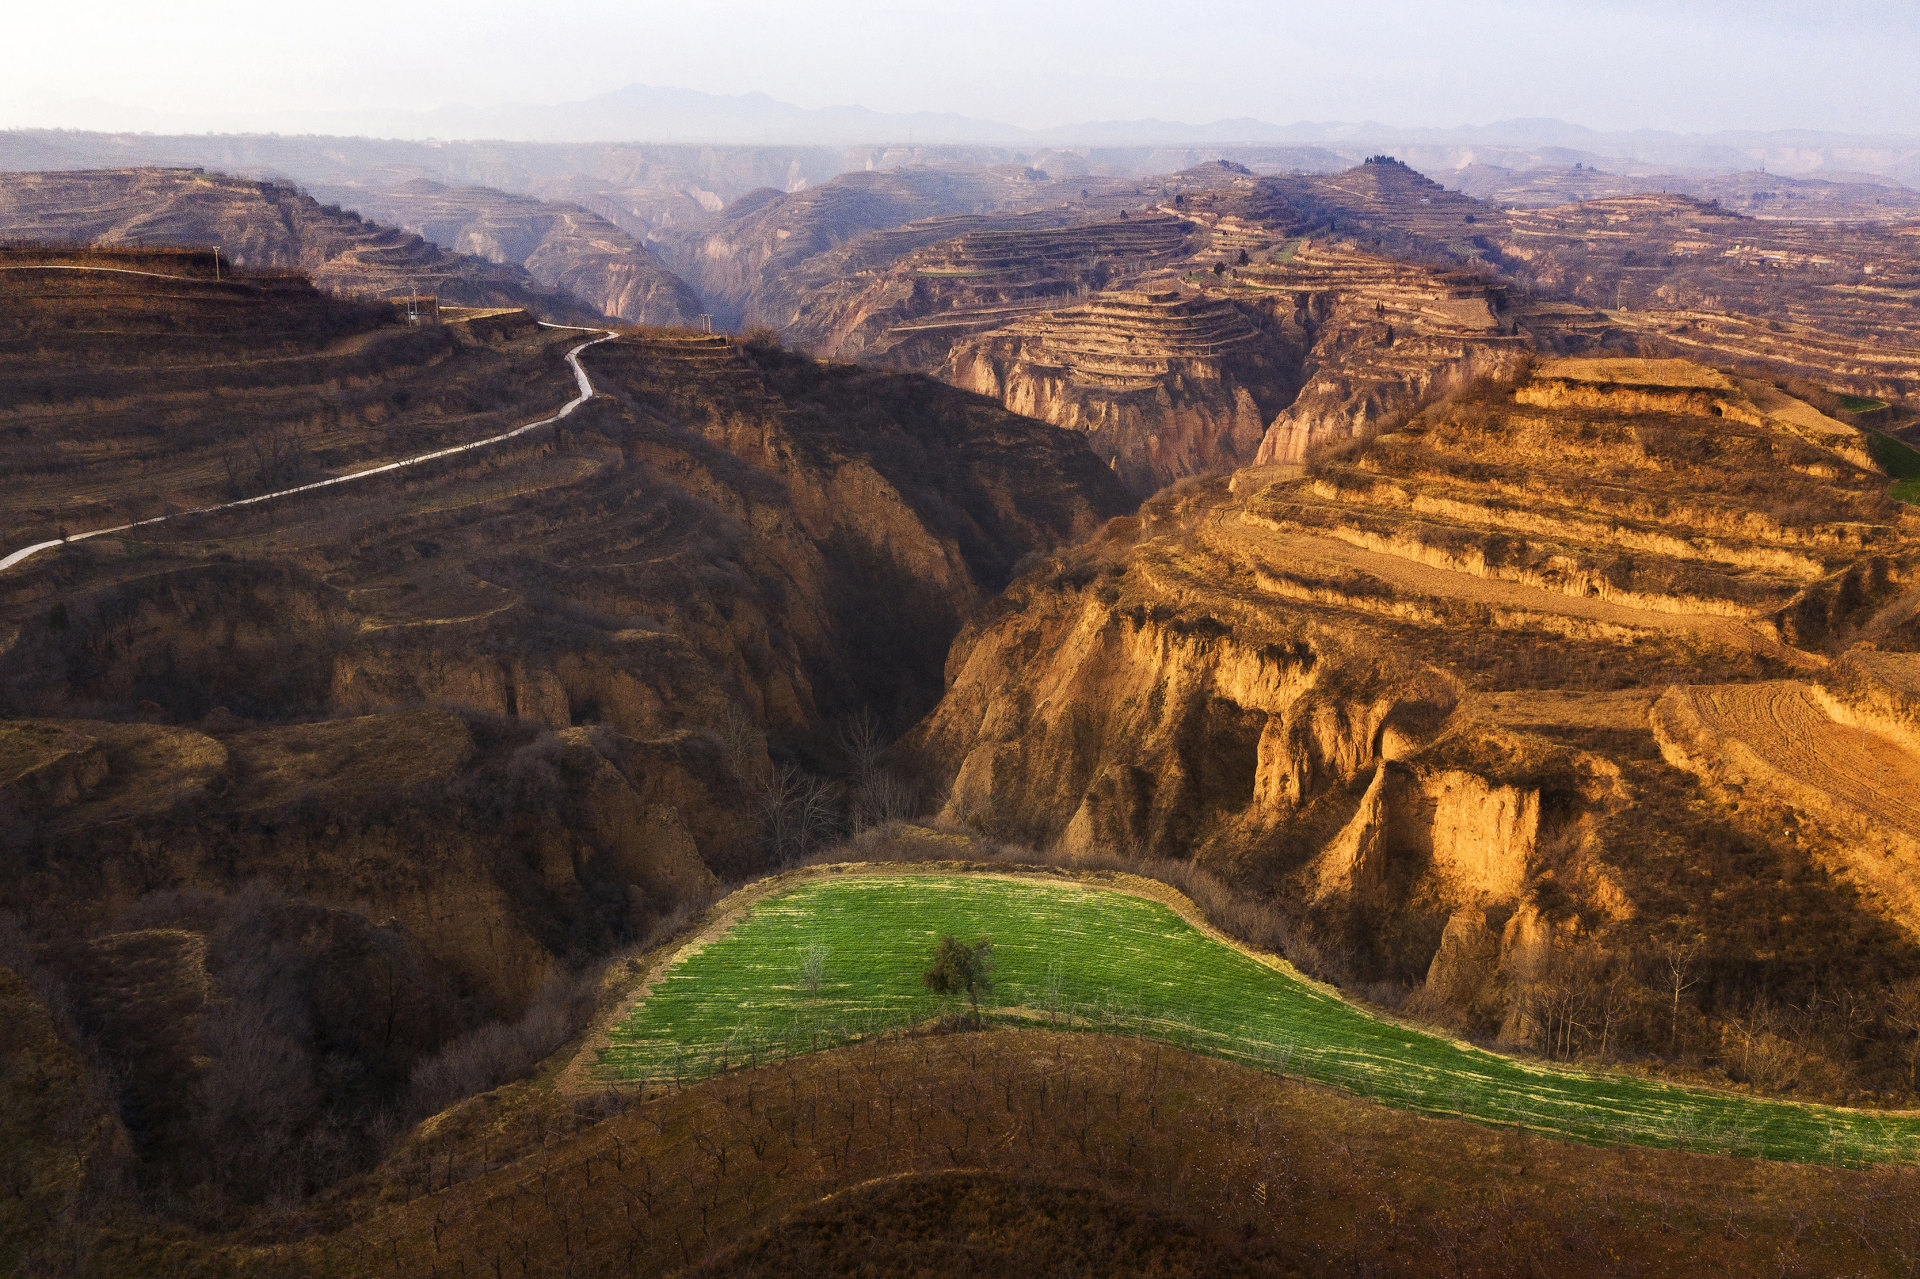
1861, 403
1087, 958
1902, 465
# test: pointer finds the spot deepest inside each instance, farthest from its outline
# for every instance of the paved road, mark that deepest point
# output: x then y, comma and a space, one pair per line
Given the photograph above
573, 359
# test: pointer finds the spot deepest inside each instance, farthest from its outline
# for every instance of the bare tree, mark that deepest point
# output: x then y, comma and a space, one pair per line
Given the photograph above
798, 812
863, 741
1903, 1013
745, 745
813, 968
886, 798
1677, 959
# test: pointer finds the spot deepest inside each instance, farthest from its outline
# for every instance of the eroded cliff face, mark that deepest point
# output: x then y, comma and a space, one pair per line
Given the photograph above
1361, 693
562, 246
734, 544
1385, 336
488, 719
1163, 385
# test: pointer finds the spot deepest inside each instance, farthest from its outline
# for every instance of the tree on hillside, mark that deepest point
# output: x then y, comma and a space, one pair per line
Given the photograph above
1677, 960
1903, 1013
959, 968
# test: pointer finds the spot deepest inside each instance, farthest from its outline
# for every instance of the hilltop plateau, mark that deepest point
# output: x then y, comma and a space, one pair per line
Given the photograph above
1838, 198
1830, 303
1223, 324
741, 260
261, 226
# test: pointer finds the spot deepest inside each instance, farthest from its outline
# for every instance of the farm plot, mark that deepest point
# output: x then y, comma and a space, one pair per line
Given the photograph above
1089, 958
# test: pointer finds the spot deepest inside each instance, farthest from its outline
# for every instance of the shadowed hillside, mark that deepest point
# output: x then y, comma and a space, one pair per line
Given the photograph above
353, 777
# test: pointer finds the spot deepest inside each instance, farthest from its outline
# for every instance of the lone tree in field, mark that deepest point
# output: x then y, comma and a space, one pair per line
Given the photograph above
813, 968
958, 967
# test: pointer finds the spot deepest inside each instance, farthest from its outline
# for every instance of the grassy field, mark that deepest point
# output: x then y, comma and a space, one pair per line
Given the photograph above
1087, 958
1861, 403
1902, 465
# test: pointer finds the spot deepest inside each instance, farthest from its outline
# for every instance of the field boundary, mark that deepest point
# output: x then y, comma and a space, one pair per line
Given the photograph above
582, 1072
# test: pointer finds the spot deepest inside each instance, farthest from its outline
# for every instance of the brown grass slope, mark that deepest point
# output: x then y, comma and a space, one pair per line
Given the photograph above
324, 802
126, 396
1032, 1152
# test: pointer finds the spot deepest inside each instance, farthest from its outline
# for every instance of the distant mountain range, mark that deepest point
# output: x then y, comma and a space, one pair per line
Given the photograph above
645, 113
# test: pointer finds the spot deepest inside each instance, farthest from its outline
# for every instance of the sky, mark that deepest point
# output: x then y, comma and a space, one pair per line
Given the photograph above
1683, 65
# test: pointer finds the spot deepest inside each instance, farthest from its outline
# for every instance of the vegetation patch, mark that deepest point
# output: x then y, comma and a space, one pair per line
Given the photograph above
1860, 403
1902, 465
1087, 958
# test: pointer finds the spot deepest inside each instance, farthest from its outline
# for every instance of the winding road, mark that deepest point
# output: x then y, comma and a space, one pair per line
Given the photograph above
573, 360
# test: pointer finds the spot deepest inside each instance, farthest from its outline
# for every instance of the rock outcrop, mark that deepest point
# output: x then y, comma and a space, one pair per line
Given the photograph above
1406, 693
1164, 385
561, 246
1384, 336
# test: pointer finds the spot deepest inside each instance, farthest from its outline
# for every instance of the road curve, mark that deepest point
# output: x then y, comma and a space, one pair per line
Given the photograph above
573, 360
117, 270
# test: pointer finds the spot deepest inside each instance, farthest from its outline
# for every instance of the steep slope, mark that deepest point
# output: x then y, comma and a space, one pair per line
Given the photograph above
1164, 386
561, 246
127, 395
1381, 335
348, 779
261, 225
739, 260
1406, 696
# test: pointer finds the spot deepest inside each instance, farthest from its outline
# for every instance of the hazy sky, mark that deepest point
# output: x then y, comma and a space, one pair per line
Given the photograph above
1674, 64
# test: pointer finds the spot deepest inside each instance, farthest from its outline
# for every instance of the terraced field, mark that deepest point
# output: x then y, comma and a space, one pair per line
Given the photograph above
1782, 723
1090, 958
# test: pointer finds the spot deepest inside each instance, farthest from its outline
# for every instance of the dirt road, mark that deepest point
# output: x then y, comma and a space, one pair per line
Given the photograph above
573, 360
